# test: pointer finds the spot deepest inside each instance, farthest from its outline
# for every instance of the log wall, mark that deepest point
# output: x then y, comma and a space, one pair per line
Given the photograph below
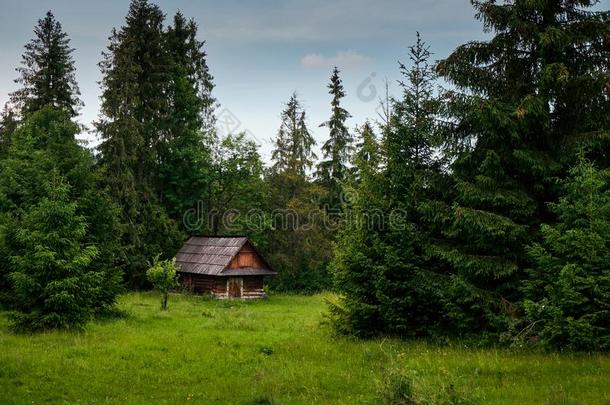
252, 286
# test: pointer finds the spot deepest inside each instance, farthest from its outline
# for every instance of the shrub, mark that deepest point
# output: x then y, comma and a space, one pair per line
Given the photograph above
162, 275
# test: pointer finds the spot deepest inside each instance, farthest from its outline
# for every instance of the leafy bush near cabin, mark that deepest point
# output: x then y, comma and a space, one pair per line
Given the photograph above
162, 275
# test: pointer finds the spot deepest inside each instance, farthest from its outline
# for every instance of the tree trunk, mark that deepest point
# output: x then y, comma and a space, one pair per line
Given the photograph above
164, 302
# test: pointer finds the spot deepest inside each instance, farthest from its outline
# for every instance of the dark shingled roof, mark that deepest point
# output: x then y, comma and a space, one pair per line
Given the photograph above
211, 255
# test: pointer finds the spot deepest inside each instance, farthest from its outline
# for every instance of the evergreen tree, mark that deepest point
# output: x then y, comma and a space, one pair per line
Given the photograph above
54, 221
8, 124
512, 111
391, 285
199, 73
138, 53
292, 153
135, 107
367, 155
185, 168
298, 236
47, 72
566, 295
188, 54
411, 136
336, 150
294, 201
355, 257
52, 286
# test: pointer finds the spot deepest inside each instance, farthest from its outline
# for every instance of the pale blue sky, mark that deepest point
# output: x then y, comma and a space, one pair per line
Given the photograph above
261, 51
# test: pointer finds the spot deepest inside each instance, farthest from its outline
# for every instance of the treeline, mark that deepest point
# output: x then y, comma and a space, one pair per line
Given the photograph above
502, 182
481, 209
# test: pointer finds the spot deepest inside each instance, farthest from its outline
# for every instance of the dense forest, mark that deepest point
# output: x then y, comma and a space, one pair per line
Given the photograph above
479, 208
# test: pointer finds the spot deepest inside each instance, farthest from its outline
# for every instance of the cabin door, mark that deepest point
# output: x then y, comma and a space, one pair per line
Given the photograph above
235, 286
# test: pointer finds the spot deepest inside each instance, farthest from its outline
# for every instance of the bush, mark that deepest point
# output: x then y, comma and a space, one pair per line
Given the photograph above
162, 275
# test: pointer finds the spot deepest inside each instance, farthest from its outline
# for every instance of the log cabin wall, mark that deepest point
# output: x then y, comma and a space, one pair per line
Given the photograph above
252, 286
220, 287
202, 284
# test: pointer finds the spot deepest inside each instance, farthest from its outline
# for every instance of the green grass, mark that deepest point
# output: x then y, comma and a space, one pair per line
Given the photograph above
273, 351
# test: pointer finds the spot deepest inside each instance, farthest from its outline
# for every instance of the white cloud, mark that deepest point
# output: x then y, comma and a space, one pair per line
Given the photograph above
343, 59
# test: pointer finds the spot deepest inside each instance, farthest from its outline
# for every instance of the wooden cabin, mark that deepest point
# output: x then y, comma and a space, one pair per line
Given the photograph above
226, 267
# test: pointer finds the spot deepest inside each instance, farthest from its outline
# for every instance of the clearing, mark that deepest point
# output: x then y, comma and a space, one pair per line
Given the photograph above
276, 351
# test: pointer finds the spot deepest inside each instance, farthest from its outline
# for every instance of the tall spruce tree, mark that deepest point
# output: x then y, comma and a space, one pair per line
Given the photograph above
185, 168
293, 145
391, 285
293, 200
332, 170
137, 72
411, 134
44, 143
199, 73
188, 51
47, 72
514, 106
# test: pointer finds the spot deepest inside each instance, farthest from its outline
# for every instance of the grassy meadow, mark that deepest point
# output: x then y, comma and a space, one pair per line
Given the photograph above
276, 351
